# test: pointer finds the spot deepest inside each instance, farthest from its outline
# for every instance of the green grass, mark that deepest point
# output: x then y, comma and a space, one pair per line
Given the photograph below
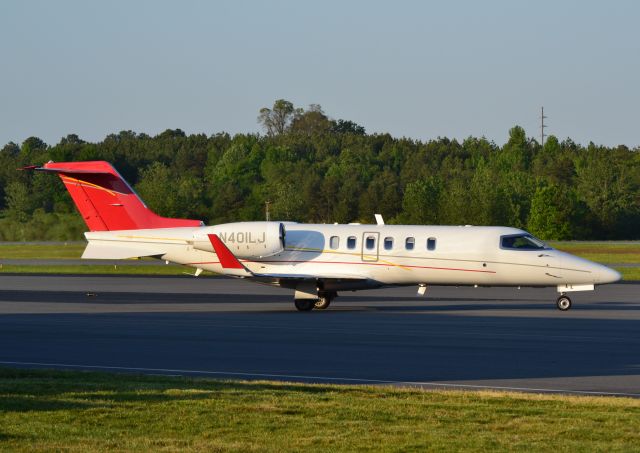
97, 269
607, 253
602, 252
42, 251
73, 251
78, 411
629, 273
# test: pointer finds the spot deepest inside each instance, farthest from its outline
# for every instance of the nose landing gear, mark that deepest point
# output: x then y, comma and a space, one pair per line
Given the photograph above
563, 303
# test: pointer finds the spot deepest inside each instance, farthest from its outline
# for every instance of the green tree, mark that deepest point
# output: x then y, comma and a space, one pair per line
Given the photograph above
169, 194
17, 201
454, 203
554, 162
156, 189
310, 122
421, 202
313, 168
486, 203
347, 127
10, 149
276, 120
382, 196
607, 185
552, 213
517, 153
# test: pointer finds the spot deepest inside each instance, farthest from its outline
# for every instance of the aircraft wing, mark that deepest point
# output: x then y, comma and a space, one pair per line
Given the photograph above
233, 267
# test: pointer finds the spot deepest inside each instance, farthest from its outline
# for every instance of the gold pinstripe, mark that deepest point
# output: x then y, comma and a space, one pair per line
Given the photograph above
68, 179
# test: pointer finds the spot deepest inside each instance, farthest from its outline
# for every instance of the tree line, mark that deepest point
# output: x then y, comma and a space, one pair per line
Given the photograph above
312, 168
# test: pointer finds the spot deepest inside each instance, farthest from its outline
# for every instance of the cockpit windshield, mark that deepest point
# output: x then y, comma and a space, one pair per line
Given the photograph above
522, 242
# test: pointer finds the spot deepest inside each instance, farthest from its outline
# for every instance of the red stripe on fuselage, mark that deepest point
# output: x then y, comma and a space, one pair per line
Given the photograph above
353, 263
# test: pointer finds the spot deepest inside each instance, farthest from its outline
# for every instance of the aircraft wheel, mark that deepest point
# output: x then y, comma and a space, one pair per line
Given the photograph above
323, 302
563, 303
304, 304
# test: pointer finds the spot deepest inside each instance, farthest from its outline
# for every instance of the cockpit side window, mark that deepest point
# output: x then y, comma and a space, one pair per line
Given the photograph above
522, 242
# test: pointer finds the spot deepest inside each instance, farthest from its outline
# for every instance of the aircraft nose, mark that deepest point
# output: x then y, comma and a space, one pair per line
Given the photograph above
608, 275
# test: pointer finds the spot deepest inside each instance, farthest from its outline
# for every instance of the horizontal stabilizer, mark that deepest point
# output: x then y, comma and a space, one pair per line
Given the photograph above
69, 171
111, 252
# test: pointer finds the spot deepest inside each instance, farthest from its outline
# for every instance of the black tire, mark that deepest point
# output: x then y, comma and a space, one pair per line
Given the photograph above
563, 303
304, 304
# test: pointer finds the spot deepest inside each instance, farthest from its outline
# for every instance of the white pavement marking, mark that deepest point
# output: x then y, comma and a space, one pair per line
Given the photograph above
322, 378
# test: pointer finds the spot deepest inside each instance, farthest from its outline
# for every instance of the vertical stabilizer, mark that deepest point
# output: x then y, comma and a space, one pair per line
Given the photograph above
105, 200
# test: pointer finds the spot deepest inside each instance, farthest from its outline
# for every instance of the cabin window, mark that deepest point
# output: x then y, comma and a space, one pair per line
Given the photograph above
334, 242
351, 242
522, 242
431, 244
410, 243
370, 242
388, 243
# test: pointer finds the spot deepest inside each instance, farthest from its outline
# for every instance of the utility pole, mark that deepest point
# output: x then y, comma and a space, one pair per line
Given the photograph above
266, 209
542, 126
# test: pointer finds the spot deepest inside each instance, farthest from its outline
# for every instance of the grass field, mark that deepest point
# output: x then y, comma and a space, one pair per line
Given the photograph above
73, 251
77, 411
629, 273
42, 251
602, 252
96, 269
607, 253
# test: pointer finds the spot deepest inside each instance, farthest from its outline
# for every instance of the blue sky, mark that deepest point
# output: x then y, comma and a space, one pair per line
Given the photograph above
420, 69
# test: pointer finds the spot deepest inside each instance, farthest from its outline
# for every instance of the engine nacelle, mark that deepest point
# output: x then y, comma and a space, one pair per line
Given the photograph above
246, 240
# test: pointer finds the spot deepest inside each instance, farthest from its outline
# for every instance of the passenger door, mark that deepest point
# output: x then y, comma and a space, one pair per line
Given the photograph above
370, 246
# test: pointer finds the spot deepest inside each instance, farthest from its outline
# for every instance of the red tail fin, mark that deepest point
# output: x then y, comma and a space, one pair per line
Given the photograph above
105, 200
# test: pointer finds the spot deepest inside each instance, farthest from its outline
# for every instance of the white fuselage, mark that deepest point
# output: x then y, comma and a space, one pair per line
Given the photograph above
380, 254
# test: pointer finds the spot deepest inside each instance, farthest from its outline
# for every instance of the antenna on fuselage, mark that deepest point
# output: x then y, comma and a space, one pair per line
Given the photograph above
379, 219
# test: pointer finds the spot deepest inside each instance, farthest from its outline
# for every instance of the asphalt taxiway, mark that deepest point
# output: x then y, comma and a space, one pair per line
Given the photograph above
454, 337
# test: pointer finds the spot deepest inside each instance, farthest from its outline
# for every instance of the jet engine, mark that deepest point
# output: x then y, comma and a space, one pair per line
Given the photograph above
246, 240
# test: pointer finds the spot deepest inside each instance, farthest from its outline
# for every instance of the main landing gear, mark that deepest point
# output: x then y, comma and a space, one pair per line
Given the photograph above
324, 299
304, 304
321, 303
563, 303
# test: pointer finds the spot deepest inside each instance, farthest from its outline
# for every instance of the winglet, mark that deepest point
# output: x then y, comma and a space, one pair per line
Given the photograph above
228, 261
